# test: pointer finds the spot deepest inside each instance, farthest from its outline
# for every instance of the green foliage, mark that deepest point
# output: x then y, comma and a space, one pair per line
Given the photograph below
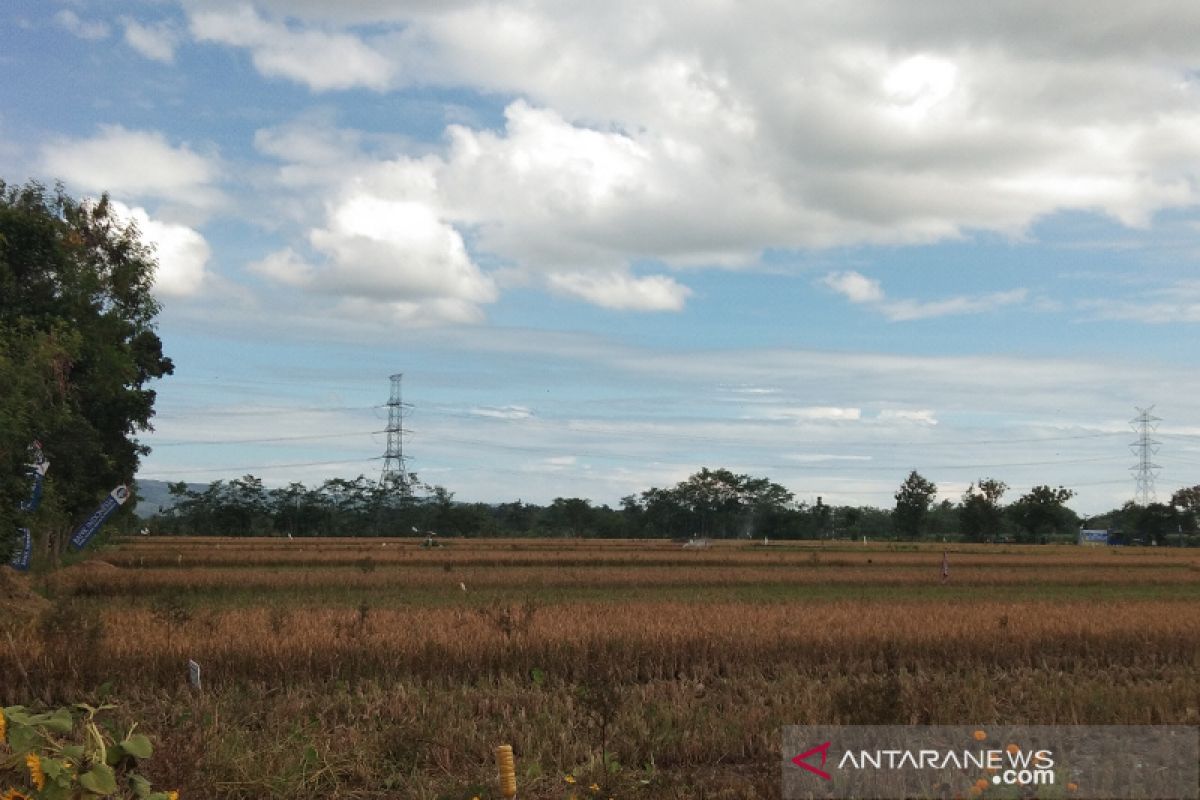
980, 516
1042, 512
66, 754
912, 504
77, 347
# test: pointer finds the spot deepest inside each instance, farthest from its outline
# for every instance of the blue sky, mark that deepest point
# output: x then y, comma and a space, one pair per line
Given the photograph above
608, 244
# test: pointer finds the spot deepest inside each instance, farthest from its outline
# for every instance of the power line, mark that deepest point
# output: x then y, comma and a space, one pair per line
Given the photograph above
206, 442
260, 466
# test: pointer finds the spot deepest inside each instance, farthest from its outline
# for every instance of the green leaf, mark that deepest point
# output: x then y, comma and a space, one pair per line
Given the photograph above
74, 752
59, 721
99, 780
138, 746
538, 676
22, 738
140, 786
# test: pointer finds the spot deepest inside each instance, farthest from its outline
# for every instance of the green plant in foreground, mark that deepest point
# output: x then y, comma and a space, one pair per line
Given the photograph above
65, 755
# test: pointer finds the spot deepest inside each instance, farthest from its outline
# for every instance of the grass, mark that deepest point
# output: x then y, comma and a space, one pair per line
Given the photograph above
648, 670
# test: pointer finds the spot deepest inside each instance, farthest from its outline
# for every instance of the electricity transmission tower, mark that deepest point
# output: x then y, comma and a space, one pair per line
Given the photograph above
1145, 448
395, 470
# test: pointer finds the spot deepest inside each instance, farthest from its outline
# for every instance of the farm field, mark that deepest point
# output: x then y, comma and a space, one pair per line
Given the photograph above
373, 668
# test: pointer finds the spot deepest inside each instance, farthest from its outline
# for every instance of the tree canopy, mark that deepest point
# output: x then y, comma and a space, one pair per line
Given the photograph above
78, 348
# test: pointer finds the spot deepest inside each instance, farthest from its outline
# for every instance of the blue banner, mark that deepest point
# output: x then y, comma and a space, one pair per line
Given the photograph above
24, 552
116, 498
35, 497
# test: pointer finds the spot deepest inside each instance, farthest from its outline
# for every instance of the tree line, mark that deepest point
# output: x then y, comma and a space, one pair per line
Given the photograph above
712, 503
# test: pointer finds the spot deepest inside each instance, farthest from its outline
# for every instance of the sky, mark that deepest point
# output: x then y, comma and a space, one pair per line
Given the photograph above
608, 244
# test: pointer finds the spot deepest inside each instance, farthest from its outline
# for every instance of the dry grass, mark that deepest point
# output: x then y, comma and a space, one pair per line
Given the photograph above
308, 697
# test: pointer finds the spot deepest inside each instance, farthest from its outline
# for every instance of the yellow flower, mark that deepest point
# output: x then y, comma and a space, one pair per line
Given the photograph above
36, 776
13, 794
569, 778
3, 728
595, 787
172, 795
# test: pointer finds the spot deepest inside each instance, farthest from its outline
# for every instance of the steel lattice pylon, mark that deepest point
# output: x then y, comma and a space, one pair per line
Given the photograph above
1145, 448
395, 469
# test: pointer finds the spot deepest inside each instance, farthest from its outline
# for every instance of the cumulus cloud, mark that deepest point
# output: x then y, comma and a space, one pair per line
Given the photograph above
182, 252
323, 60
132, 163
91, 30
707, 137
858, 288
651, 133
387, 258
156, 41
855, 287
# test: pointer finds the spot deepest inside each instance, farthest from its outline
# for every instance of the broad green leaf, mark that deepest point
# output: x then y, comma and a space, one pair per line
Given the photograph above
99, 780
59, 721
140, 786
22, 738
138, 746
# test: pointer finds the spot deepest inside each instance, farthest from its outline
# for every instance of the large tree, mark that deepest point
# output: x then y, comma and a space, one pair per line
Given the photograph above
78, 348
912, 504
980, 515
1042, 511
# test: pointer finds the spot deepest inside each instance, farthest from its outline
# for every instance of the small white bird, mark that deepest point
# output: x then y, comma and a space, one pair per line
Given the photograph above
462, 586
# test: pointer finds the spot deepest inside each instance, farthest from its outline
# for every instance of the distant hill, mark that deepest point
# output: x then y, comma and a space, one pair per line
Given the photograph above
155, 496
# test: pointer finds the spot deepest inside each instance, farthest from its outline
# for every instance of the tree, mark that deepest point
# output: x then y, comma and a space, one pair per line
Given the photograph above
709, 503
1187, 501
77, 327
980, 516
1157, 521
912, 504
1042, 511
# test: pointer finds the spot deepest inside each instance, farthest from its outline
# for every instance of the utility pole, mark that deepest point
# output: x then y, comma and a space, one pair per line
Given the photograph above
395, 470
1145, 448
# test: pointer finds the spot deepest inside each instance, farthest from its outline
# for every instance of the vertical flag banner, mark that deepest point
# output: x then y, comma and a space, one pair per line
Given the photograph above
116, 498
38, 469
24, 552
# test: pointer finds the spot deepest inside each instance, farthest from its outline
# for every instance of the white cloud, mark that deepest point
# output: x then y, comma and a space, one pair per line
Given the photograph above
649, 130
156, 42
855, 287
858, 288
130, 163
387, 259
923, 416
396, 250
1179, 302
321, 59
69, 21
182, 253
813, 413
503, 412
284, 266
620, 291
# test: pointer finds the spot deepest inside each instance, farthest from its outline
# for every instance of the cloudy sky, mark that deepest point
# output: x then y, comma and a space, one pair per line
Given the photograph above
610, 243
